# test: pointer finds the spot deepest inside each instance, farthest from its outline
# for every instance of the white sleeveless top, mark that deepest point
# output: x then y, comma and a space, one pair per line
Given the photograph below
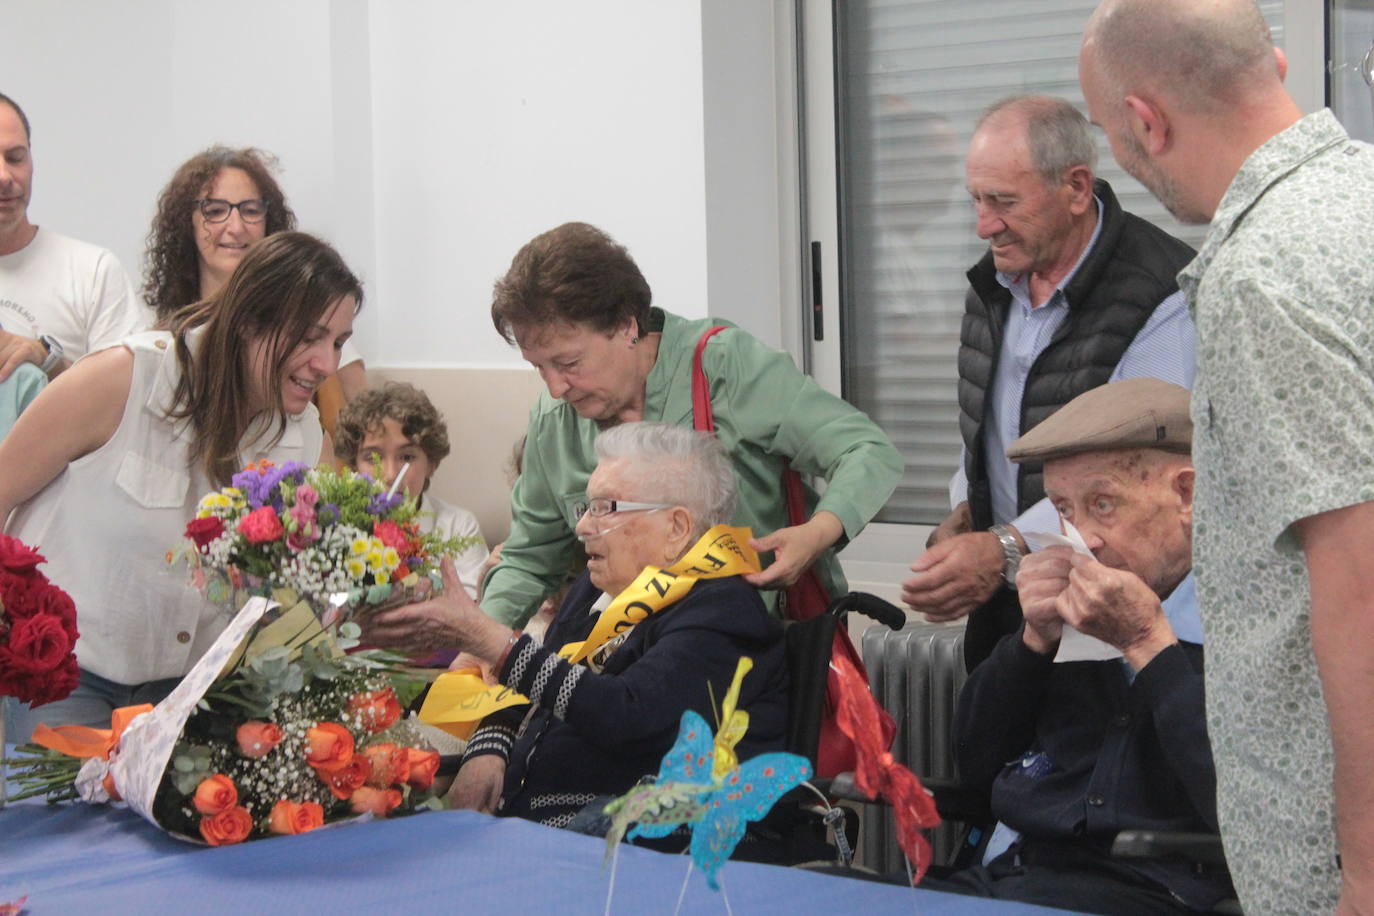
107, 522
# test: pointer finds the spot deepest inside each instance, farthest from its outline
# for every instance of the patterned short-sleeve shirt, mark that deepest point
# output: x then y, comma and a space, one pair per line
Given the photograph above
1282, 292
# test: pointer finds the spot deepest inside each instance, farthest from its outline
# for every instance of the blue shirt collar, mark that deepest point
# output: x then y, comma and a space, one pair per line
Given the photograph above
1019, 284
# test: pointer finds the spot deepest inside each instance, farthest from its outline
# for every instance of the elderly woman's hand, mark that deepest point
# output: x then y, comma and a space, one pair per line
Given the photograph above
477, 787
448, 621
794, 549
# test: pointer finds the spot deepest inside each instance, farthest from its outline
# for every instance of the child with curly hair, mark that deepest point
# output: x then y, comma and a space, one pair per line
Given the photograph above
383, 430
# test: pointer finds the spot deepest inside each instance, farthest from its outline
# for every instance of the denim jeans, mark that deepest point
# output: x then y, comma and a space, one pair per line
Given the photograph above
91, 703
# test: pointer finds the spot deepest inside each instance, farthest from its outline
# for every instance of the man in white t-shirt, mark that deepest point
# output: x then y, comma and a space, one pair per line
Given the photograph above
59, 298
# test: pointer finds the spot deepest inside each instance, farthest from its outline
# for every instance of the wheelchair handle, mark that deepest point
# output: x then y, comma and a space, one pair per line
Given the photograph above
872, 606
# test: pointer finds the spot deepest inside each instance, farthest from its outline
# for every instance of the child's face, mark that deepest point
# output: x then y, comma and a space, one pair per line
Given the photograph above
392, 450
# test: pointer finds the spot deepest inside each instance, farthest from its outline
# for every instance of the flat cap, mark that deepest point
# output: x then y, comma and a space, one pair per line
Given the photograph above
1131, 413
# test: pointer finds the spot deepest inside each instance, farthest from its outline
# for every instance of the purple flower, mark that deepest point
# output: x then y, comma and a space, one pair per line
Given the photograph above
265, 489
381, 504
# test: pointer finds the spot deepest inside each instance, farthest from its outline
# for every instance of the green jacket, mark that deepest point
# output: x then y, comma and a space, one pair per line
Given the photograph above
765, 411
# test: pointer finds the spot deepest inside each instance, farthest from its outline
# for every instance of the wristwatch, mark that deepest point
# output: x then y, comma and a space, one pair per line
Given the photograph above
1011, 554
54, 348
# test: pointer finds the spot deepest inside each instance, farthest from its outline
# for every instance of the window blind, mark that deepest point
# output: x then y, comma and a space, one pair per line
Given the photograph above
912, 77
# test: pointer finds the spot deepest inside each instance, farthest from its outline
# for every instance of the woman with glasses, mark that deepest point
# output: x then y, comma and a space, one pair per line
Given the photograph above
599, 725
577, 306
106, 466
219, 203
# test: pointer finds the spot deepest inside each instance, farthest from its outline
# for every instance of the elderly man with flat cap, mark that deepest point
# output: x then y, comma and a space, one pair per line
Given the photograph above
1075, 751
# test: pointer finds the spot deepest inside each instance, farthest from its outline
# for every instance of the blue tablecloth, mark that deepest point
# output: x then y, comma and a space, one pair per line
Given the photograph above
76, 858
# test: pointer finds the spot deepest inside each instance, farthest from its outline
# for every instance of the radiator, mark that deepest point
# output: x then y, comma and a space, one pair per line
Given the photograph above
915, 673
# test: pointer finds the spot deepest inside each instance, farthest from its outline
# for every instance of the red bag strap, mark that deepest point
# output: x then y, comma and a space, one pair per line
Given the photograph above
702, 420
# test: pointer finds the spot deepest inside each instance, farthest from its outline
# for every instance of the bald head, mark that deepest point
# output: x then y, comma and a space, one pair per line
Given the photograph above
1204, 55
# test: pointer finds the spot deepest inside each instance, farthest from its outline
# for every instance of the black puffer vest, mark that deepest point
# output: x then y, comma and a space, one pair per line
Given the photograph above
1130, 270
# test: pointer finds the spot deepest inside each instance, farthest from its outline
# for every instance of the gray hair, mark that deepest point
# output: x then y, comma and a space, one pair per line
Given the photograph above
1057, 134
676, 465
1205, 56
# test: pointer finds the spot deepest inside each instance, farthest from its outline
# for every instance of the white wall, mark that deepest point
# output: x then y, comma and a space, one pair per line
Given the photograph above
427, 139
496, 121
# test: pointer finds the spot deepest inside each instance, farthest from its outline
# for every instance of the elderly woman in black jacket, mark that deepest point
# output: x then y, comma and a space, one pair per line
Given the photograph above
595, 727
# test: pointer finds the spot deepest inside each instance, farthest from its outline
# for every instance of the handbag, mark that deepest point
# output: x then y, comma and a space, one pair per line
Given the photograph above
803, 599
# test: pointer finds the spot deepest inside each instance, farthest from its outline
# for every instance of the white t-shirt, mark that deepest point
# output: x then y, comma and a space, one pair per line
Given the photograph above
70, 290
454, 522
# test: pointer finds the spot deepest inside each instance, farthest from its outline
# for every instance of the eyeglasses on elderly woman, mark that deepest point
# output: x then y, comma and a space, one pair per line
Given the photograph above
601, 507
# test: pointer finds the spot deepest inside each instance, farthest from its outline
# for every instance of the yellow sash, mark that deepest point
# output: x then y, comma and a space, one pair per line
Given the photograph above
458, 700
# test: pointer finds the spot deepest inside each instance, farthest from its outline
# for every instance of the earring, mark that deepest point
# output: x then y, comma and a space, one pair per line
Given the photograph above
634, 340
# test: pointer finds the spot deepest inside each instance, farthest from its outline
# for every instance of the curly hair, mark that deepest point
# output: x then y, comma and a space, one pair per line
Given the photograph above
575, 273
171, 277
411, 408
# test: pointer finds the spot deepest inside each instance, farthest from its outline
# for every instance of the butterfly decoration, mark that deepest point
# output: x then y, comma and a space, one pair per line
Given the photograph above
701, 782
877, 773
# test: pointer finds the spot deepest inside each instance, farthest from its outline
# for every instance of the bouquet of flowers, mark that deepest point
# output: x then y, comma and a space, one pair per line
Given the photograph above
37, 629
335, 539
274, 731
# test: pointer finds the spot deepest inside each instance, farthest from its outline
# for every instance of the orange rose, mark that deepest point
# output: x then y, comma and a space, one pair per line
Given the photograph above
377, 711
376, 801
231, 825
423, 766
215, 794
389, 765
256, 739
329, 746
295, 817
343, 780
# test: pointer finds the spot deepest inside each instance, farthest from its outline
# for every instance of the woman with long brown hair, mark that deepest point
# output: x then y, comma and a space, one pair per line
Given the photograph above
104, 469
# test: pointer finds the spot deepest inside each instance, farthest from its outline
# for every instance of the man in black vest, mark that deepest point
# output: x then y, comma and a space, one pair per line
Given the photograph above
1073, 293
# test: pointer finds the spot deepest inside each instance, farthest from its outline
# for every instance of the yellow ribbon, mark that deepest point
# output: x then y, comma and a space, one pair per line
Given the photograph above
458, 700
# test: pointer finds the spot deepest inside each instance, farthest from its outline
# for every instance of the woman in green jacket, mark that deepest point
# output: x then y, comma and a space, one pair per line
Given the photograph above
578, 308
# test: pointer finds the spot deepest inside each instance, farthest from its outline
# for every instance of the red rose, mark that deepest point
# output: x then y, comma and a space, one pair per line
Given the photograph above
423, 766
37, 689
342, 781
204, 530
19, 592
18, 557
55, 603
376, 711
261, 526
376, 801
230, 826
37, 645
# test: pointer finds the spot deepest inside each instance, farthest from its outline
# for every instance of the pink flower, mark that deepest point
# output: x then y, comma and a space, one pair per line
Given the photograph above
307, 496
304, 531
261, 525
